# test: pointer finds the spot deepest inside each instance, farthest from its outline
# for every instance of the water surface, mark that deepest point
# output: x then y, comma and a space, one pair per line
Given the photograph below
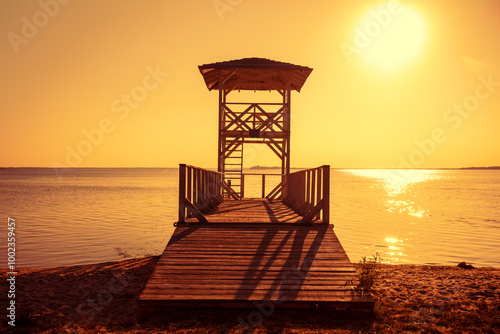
88, 215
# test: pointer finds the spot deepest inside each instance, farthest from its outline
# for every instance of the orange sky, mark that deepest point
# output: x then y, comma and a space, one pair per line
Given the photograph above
117, 83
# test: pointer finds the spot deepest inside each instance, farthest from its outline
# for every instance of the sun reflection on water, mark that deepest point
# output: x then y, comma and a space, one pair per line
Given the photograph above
397, 184
399, 193
392, 240
401, 206
395, 250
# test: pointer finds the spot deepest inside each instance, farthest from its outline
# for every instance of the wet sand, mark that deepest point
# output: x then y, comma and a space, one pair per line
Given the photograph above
102, 298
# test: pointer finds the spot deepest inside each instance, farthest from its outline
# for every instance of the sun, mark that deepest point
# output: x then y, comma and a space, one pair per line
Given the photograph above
394, 36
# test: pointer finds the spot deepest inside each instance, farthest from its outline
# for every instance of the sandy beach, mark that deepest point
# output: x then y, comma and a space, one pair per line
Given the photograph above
102, 298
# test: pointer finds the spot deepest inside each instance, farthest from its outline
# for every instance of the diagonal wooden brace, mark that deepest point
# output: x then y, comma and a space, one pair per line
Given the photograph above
310, 215
191, 209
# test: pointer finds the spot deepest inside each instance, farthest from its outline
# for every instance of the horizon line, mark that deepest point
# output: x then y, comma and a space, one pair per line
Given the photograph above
263, 167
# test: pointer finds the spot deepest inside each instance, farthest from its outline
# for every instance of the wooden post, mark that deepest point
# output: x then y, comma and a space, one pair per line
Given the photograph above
288, 128
318, 188
326, 194
242, 185
308, 190
195, 186
200, 187
203, 176
300, 186
212, 185
209, 186
203, 189
182, 192
189, 176
220, 161
263, 185
313, 185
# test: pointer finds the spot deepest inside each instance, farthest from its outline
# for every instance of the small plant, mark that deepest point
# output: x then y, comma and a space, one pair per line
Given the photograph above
368, 274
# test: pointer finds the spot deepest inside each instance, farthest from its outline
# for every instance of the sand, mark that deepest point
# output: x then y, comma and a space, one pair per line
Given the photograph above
102, 298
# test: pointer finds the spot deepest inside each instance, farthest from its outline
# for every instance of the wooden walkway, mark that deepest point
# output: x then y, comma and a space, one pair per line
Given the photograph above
253, 251
252, 210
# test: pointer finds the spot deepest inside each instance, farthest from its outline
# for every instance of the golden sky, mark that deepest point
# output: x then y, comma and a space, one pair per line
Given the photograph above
116, 83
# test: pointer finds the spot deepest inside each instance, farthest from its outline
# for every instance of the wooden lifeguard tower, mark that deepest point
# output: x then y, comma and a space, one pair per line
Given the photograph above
252, 122
232, 251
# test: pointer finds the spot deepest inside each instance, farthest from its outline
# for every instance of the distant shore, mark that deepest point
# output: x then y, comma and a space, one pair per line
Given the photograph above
340, 168
268, 167
102, 298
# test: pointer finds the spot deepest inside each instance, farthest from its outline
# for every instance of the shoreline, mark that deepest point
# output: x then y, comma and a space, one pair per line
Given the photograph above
103, 298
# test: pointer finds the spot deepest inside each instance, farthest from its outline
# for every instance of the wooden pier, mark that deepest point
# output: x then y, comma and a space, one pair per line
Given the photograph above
239, 265
243, 265
231, 251
251, 251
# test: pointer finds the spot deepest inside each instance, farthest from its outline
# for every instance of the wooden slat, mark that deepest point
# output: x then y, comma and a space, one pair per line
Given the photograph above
284, 295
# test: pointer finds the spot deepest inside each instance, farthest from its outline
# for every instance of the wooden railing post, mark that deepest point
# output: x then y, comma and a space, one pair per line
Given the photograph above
263, 185
189, 177
308, 191
318, 189
242, 185
182, 192
326, 194
199, 183
313, 185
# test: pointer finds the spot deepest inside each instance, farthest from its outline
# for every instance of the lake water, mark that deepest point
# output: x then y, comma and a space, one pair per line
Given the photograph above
87, 215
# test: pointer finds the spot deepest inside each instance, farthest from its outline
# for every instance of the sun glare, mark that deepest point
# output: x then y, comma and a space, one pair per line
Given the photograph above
396, 184
396, 36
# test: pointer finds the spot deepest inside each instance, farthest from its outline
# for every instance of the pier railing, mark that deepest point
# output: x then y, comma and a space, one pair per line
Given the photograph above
274, 193
308, 193
200, 191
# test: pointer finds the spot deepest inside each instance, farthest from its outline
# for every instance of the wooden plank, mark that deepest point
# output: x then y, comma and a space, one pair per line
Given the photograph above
290, 284
232, 259
182, 256
269, 241
276, 294
288, 242
258, 269
221, 251
256, 227
272, 273
257, 265
176, 279
257, 234
148, 305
